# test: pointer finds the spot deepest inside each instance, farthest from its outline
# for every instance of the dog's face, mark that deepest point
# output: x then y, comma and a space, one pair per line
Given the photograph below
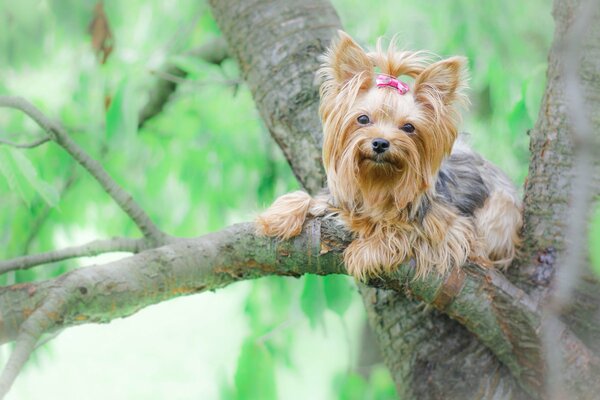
384, 145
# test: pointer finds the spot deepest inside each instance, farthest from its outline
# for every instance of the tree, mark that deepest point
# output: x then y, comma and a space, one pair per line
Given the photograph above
495, 321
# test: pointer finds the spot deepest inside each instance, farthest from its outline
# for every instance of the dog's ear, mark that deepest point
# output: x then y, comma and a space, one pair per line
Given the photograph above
441, 83
346, 59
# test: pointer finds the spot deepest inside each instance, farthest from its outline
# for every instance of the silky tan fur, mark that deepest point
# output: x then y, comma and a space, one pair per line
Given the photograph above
428, 198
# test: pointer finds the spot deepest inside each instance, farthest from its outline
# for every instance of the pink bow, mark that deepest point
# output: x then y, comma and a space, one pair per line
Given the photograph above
386, 80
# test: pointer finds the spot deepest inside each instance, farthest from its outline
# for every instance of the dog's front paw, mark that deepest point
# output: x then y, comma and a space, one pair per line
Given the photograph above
369, 257
284, 219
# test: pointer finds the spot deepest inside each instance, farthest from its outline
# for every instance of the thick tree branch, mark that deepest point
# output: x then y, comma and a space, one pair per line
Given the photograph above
60, 136
550, 183
277, 45
499, 314
432, 356
586, 146
86, 250
283, 54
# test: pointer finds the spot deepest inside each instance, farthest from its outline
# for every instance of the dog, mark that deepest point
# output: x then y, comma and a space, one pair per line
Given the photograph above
399, 176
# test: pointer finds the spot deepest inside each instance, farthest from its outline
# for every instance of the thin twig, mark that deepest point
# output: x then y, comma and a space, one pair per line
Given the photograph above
572, 263
86, 250
59, 135
31, 145
179, 80
213, 52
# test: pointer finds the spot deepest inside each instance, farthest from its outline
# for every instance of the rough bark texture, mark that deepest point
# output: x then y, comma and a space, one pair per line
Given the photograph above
101, 293
548, 187
549, 181
105, 292
546, 207
489, 349
267, 67
277, 45
432, 356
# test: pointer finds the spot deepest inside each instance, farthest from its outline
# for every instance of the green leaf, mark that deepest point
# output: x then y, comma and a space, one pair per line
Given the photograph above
44, 189
121, 116
534, 91
518, 121
255, 374
312, 300
351, 387
11, 174
381, 384
339, 291
226, 390
594, 242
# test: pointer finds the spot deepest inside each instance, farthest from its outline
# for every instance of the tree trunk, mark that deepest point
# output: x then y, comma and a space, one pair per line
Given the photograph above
277, 45
429, 355
549, 184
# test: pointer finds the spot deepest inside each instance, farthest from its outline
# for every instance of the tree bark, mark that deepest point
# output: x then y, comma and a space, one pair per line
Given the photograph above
489, 349
242, 25
548, 187
104, 292
431, 356
465, 349
277, 45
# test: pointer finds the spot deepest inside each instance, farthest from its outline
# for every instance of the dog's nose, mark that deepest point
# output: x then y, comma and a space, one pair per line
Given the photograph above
380, 145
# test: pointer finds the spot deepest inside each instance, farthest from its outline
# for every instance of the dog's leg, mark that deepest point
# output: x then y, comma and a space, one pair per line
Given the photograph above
285, 217
498, 223
375, 255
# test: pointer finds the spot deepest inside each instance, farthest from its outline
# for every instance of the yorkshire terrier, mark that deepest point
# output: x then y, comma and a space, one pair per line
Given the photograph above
398, 175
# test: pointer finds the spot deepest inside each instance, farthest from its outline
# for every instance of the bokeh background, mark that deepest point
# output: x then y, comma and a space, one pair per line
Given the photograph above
207, 161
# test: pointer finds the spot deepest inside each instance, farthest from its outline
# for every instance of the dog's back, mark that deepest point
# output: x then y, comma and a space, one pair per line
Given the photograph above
480, 190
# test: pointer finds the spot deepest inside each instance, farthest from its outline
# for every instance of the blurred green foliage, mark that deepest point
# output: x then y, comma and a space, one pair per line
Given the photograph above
206, 160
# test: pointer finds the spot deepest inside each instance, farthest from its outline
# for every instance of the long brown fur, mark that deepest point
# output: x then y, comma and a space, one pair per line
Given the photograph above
391, 201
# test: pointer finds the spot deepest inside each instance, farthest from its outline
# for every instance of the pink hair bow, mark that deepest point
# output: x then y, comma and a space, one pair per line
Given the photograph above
386, 80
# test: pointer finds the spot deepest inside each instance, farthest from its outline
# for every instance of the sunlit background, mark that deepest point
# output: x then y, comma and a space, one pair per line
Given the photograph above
207, 161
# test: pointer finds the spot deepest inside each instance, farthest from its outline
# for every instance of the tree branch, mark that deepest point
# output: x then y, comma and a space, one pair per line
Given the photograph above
502, 316
179, 80
29, 334
213, 52
283, 53
29, 145
86, 250
573, 260
59, 135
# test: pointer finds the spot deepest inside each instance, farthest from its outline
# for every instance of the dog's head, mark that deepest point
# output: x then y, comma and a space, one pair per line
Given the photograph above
385, 139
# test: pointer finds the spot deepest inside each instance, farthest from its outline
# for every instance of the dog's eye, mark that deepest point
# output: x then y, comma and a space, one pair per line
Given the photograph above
363, 119
408, 128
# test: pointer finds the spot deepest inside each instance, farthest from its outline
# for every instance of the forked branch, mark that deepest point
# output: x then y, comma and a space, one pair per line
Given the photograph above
60, 136
502, 316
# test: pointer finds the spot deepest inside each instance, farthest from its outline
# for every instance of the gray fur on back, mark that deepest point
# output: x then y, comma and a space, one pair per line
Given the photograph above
466, 179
